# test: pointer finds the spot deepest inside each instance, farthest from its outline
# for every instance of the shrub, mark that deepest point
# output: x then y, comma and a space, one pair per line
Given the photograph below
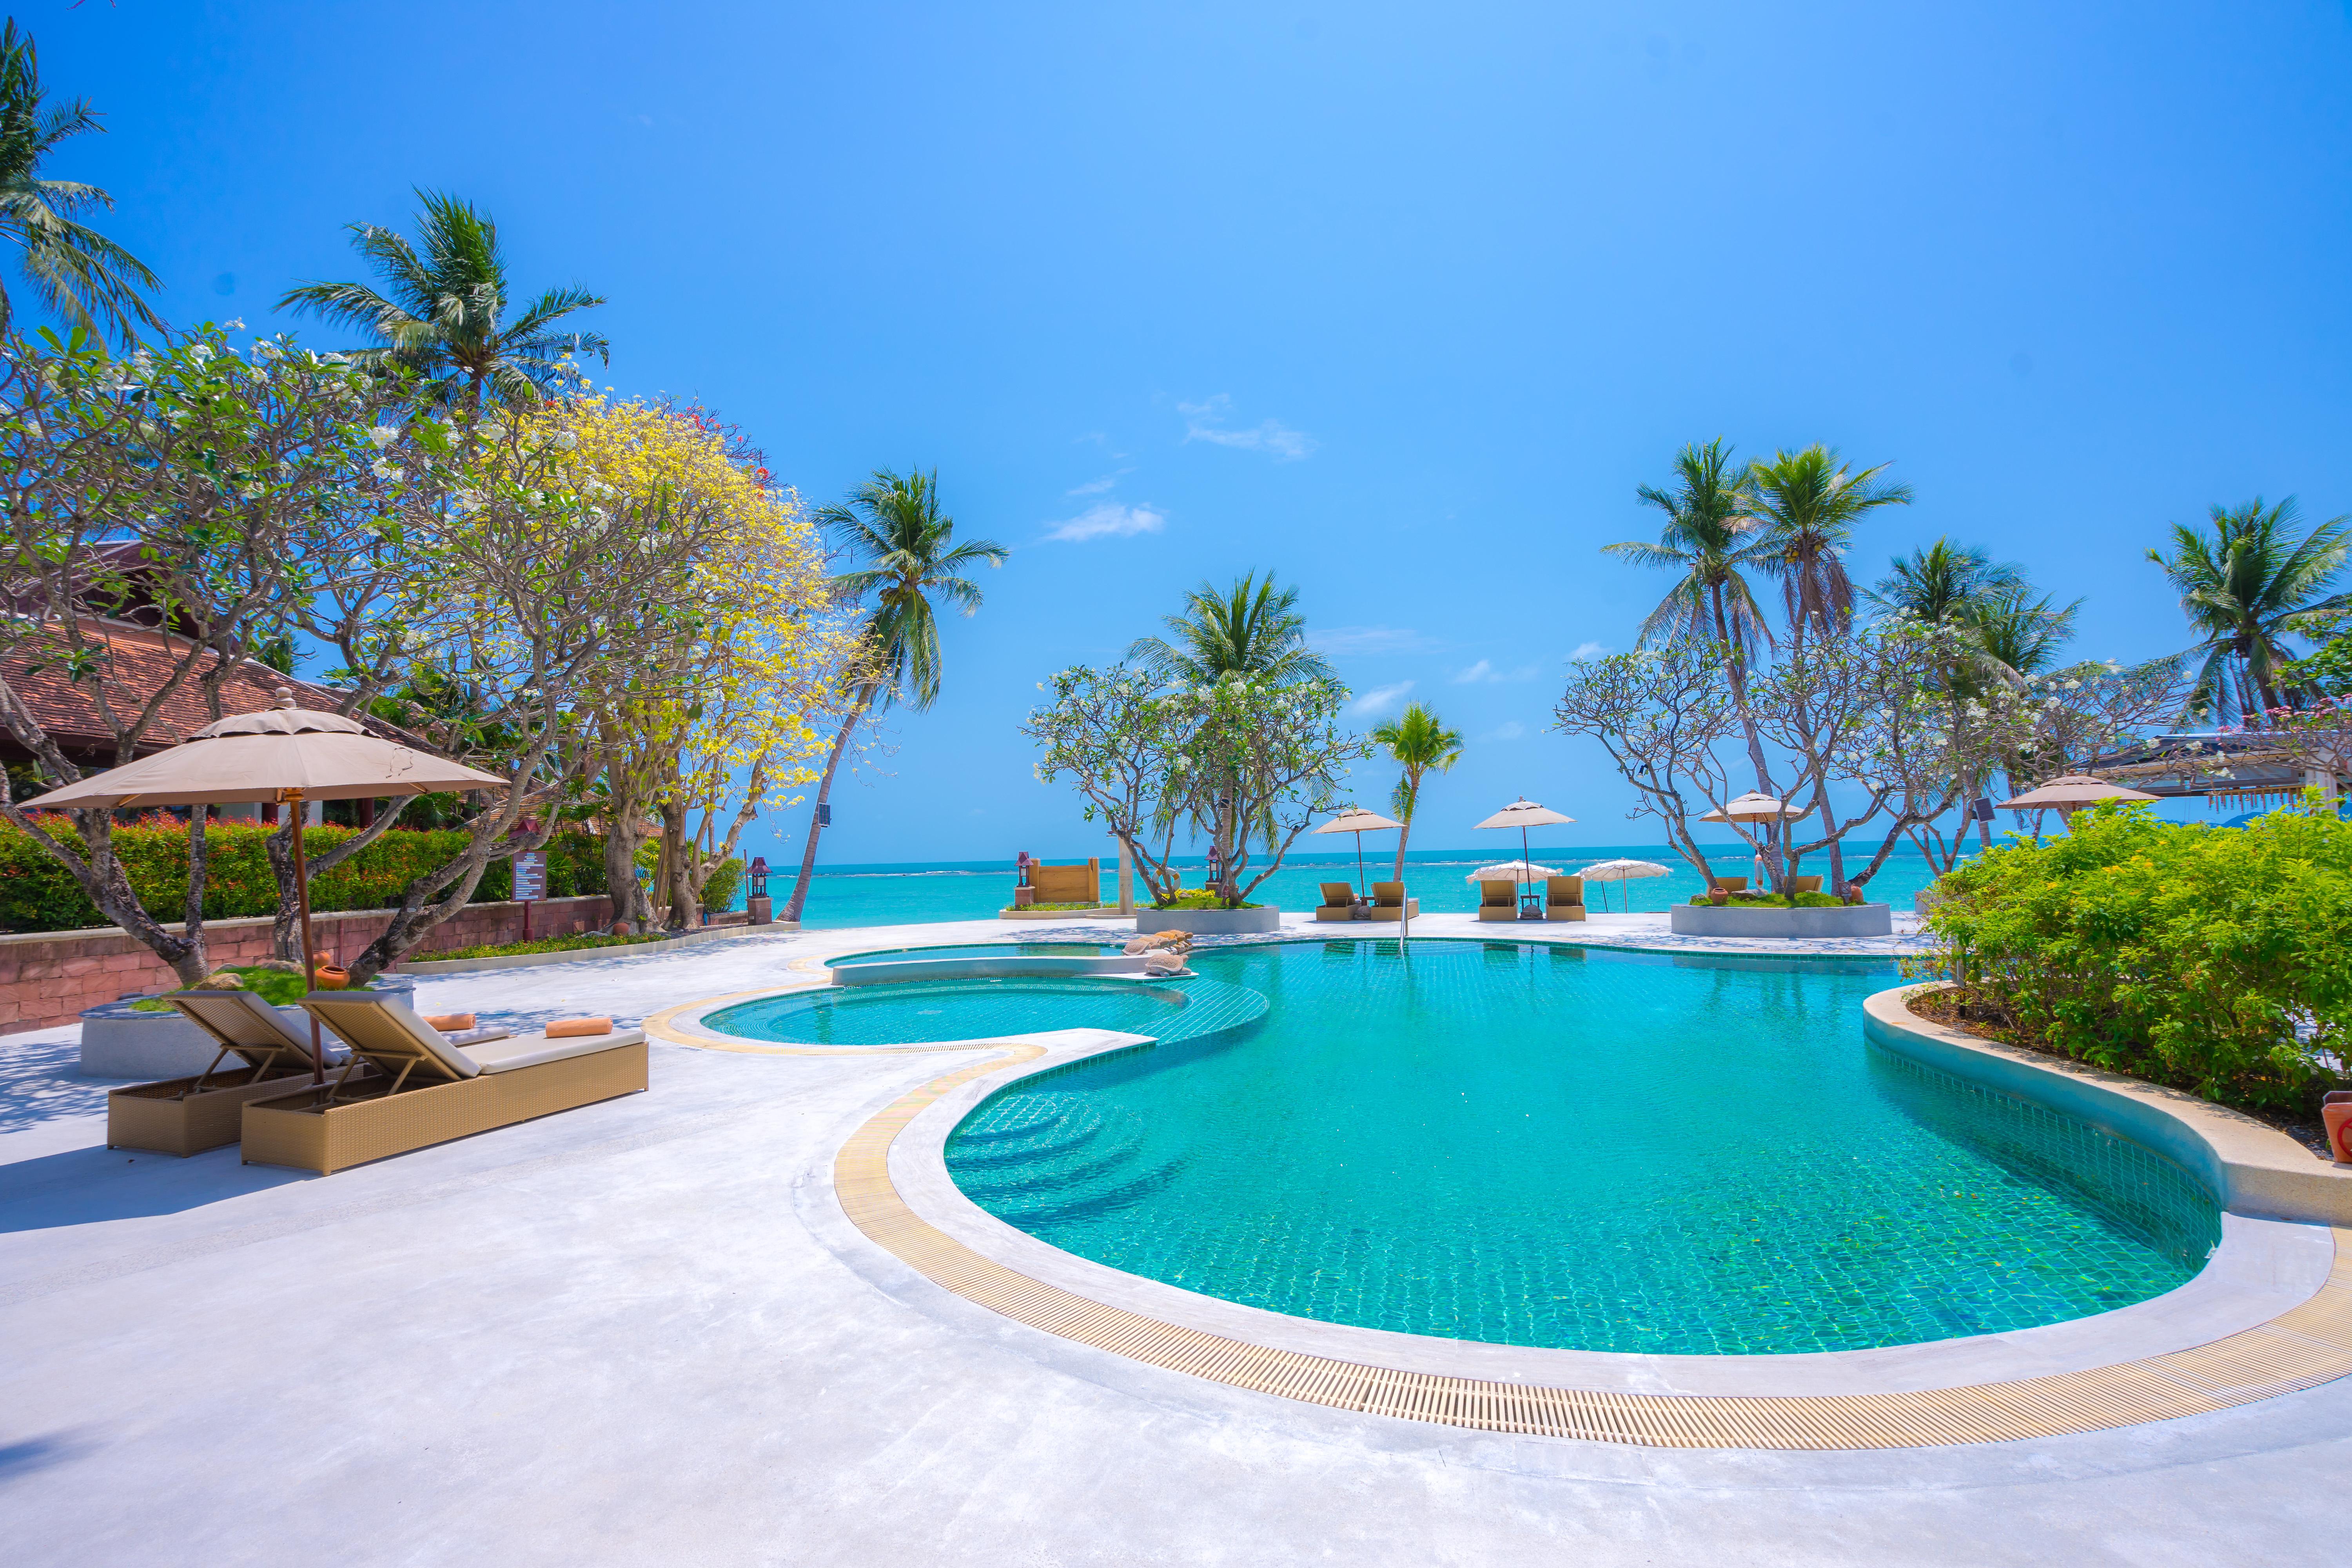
36, 893
1198, 900
2217, 960
719, 889
548, 944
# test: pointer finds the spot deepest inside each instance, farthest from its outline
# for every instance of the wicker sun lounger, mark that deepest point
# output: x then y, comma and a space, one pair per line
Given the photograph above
1563, 897
1339, 903
1388, 902
425, 1090
189, 1115
1498, 900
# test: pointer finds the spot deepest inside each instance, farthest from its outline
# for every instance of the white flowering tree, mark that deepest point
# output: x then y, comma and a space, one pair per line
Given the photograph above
1251, 760
1664, 714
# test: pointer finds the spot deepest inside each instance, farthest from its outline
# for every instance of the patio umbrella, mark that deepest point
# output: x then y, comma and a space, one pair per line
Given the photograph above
1517, 870
1753, 807
1524, 814
2071, 793
285, 755
1357, 821
1621, 871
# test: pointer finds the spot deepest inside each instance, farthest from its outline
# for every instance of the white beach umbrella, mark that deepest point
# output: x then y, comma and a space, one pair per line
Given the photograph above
1524, 814
1606, 871
1357, 821
1753, 807
1517, 870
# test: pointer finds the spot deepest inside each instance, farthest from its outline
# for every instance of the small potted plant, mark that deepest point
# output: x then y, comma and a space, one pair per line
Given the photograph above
1717, 894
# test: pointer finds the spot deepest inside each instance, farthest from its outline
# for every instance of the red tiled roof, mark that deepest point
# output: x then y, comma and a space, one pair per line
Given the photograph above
138, 667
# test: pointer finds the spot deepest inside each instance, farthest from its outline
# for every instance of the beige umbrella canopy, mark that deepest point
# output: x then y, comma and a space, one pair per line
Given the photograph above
1753, 807
284, 754
1606, 871
1517, 870
1357, 821
2071, 793
1524, 814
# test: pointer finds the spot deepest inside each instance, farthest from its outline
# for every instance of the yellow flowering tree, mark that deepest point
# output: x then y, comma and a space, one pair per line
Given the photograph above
737, 672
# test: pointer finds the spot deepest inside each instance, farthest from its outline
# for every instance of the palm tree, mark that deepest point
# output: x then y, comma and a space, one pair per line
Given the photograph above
894, 522
1253, 628
1420, 745
1944, 581
1808, 504
2245, 586
85, 279
1710, 537
443, 315
2020, 633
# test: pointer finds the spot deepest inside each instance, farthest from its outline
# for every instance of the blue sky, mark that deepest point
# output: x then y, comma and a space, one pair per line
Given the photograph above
1399, 303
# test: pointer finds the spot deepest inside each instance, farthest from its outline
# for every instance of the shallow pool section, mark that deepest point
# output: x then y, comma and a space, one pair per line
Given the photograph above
1580, 1149
980, 949
926, 1012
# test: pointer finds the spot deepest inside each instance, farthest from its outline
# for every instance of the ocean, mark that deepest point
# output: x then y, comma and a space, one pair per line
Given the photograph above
976, 890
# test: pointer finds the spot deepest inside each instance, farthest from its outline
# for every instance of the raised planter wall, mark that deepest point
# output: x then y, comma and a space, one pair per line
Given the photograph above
49, 977
1850, 920
119, 1041
1207, 922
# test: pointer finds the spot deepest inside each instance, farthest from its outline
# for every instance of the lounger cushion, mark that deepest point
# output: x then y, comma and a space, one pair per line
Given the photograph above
1497, 894
530, 1050
1388, 895
246, 1025
387, 1032
1564, 890
1336, 894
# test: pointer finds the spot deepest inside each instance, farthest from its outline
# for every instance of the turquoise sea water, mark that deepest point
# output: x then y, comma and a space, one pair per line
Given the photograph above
1558, 1147
961, 890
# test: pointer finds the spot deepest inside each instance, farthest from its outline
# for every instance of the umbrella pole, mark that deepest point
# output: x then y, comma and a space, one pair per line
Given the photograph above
293, 798
1361, 891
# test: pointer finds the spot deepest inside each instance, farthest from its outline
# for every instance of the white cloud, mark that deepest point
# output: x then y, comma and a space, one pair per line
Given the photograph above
1206, 422
1484, 671
1589, 651
1380, 700
1369, 640
1097, 487
1107, 520
1510, 730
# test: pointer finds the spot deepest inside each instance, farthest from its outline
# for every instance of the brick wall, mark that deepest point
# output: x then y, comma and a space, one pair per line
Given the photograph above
48, 977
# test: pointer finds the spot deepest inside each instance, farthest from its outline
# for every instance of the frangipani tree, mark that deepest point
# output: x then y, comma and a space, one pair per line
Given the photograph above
740, 653
1151, 757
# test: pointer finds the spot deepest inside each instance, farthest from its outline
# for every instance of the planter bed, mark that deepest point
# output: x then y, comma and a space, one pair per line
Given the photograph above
619, 949
1208, 922
1844, 920
119, 1041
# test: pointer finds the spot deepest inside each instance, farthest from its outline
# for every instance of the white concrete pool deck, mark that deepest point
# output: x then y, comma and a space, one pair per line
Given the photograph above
644, 1332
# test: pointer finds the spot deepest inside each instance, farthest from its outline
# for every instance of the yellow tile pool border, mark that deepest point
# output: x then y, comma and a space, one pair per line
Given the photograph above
2306, 1346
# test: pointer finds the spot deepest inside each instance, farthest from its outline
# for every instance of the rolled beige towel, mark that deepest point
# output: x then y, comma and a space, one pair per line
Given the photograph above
448, 1023
573, 1029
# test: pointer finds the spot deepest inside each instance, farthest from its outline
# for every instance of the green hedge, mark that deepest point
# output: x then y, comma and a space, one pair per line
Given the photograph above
2217, 960
36, 893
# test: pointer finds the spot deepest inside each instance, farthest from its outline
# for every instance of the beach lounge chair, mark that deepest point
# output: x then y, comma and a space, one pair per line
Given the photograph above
1563, 897
1339, 903
1498, 900
1388, 902
425, 1090
1803, 885
1732, 884
189, 1115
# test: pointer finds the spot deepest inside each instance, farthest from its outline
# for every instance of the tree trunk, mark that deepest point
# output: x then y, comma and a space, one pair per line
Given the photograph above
1735, 667
823, 794
678, 888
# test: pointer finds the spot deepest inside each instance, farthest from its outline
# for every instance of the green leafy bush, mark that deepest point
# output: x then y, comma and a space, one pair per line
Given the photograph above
1776, 901
35, 894
548, 944
1198, 900
2217, 960
719, 889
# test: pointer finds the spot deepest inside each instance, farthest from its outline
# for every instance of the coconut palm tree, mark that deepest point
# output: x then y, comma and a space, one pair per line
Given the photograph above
1808, 503
1711, 537
1420, 743
1945, 581
2020, 633
893, 522
1252, 629
2245, 586
445, 314
85, 279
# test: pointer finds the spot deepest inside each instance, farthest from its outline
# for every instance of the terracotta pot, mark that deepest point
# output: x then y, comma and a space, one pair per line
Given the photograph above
2338, 1117
1717, 897
331, 977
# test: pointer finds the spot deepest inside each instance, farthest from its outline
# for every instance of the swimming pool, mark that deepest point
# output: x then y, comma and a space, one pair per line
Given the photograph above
1576, 1148
980, 949
927, 1011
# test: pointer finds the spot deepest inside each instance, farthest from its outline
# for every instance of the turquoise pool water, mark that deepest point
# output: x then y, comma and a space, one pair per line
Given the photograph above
1572, 1148
919, 1012
982, 950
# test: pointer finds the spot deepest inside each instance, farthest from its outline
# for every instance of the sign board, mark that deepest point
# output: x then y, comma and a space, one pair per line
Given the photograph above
530, 875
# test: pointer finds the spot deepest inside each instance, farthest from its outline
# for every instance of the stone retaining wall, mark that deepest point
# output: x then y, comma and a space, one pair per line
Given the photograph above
48, 977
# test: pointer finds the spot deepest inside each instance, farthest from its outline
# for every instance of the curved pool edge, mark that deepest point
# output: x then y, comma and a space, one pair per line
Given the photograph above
2254, 1169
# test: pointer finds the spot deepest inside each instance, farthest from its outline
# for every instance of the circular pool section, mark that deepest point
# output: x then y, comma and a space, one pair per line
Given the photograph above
980, 949
926, 1012
1578, 1149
